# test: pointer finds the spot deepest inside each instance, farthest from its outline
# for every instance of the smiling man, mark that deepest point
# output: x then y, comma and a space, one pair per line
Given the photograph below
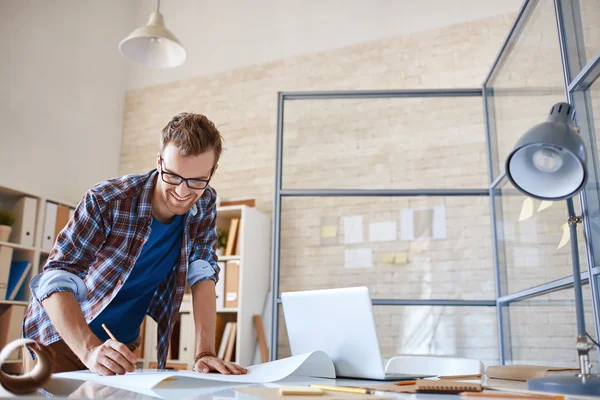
127, 252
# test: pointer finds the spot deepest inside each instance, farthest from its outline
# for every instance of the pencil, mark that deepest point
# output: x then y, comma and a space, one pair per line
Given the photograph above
345, 389
405, 383
109, 333
505, 395
474, 376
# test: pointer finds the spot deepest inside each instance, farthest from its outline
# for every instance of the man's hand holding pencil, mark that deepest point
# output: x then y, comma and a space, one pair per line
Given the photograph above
110, 358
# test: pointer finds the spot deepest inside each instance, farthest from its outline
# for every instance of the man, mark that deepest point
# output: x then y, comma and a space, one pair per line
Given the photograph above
127, 252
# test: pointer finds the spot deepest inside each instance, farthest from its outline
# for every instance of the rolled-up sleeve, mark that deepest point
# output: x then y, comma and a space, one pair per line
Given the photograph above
43, 285
203, 259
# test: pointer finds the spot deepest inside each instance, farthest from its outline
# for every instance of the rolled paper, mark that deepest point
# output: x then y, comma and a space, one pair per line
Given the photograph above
32, 380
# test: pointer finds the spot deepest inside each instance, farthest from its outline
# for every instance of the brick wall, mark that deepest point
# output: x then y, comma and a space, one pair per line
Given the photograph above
407, 144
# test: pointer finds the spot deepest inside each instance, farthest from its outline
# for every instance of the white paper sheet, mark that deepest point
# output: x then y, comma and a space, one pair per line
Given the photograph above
316, 364
382, 231
358, 258
353, 230
407, 231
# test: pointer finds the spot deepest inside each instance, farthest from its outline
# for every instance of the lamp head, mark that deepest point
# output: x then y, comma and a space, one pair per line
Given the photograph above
153, 45
549, 161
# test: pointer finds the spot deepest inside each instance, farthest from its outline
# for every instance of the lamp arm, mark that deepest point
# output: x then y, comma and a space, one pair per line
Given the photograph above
583, 347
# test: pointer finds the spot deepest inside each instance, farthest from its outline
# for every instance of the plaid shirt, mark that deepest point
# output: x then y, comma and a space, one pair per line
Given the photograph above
101, 243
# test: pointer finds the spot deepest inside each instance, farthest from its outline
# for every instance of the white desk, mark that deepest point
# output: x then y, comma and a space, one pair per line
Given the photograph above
192, 389
197, 390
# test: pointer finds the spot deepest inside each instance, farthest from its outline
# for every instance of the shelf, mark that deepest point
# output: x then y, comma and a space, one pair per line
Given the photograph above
228, 258
61, 202
44, 252
14, 302
14, 361
17, 246
228, 310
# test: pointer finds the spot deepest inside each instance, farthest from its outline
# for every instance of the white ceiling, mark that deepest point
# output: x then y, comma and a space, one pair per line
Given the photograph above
224, 34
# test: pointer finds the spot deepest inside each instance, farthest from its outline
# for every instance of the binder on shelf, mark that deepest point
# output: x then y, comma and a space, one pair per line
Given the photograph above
224, 340
234, 223
71, 213
49, 226
11, 319
62, 219
220, 287
6, 254
19, 272
231, 343
232, 283
186, 337
23, 230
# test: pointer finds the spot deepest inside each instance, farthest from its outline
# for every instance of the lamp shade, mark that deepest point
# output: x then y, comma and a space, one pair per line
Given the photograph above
153, 45
549, 161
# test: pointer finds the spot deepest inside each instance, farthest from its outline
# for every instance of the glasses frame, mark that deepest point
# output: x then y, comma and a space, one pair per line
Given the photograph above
182, 179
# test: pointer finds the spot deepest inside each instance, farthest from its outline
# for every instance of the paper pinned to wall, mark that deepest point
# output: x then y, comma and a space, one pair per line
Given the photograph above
353, 230
382, 231
406, 224
439, 222
358, 258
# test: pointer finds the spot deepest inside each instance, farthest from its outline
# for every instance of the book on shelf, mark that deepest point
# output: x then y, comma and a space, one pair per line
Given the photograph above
227, 331
6, 254
23, 230
232, 283
232, 235
62, 219
220, 287
11, 321
229, 354
186, 336
19, 272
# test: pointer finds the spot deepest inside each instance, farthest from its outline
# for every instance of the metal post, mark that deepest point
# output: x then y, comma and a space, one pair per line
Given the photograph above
572, 51
277, 227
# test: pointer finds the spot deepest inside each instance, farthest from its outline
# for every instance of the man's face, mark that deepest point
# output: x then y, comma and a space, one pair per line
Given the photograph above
198, 169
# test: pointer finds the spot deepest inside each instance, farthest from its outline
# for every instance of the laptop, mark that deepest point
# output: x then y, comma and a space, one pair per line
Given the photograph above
340, 323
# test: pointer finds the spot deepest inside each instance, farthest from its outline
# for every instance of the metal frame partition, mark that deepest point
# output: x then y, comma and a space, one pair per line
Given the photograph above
280, 192
572, 51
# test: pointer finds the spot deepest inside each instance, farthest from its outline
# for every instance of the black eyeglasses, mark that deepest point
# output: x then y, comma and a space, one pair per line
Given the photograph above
174, 179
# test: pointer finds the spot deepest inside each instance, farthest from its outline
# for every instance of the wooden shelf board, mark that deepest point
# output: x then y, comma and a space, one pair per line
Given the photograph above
17, 246
14, 302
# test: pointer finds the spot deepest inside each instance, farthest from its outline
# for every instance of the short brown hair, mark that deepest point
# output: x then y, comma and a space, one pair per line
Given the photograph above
192, 135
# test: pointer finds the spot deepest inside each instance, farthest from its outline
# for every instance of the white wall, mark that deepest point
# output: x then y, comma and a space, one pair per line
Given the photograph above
224, 34
63, 85
63, 80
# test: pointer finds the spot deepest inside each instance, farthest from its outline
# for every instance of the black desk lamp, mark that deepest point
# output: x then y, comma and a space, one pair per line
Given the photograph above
549, 163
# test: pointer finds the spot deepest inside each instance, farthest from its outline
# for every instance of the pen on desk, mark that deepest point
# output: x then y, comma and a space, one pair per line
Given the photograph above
473, 376
109, 332
345, 389
405, 383
505, 395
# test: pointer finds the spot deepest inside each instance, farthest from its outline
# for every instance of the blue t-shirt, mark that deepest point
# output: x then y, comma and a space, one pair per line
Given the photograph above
125, 313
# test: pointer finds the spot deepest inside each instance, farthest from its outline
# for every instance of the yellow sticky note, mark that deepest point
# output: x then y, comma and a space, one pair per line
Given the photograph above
565, 236
416, 249
545, 204
328, 231
526, 209
401, 258
388, 258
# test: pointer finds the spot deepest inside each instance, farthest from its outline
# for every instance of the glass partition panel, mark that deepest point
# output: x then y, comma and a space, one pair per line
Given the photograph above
400, 143
533, 239
400, 247
468, 332
590, 16
544, 329
526, 84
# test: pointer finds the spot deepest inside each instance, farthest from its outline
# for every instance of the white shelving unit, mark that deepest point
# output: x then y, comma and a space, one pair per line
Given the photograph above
35, 254
254, 256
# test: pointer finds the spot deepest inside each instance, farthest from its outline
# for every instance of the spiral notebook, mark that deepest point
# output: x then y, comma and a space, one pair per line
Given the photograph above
446, 387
